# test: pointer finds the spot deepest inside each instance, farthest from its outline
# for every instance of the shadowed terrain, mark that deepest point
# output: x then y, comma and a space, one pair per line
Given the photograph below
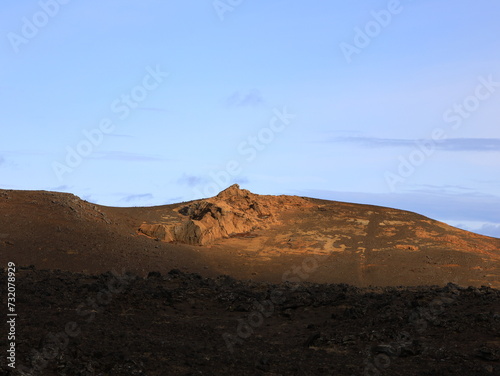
73, 324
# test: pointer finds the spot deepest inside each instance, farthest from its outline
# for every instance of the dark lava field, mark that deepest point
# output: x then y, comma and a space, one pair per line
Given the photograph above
183, 324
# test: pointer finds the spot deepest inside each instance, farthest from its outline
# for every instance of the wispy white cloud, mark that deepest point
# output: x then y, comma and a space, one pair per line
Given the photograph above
125, 156
153, 109
241, 180
447, 188
490, 230
449, 144
192, 180
199, 180
252, 98
29, 152
60, 188
137, 197
119, 135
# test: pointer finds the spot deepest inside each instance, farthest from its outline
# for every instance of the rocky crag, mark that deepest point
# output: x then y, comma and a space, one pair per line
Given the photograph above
232, 212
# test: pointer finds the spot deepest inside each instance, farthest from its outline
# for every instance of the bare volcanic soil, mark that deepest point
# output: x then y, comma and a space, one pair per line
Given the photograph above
178, 323
247, 236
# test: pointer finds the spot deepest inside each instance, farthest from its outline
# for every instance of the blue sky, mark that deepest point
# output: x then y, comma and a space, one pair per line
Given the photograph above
137, 103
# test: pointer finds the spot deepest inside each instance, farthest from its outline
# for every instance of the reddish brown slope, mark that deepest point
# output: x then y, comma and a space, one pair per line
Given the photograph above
60, 231
247, 236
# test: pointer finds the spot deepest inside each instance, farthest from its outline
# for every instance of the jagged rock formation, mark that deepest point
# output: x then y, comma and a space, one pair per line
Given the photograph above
233, 211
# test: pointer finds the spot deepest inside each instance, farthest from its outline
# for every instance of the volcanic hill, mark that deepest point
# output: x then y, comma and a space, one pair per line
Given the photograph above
246, 236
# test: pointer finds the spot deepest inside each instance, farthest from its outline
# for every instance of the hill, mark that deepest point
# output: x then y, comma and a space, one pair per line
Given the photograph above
246, 236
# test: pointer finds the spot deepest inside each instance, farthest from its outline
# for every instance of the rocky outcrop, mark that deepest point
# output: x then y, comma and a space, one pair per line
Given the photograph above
233, 211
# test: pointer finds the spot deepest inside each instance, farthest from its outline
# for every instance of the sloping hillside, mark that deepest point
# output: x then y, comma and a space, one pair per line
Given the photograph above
249, 236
